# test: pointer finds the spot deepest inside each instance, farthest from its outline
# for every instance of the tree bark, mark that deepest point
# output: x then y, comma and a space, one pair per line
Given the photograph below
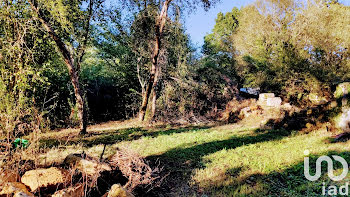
154, 102
69, 61
157, 45
142, 82
154, 95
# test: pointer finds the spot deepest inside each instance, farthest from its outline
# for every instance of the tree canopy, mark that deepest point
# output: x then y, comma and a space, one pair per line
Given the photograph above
120, 56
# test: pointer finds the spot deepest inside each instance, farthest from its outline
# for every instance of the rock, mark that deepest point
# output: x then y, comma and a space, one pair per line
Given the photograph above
268, 100
317, 99
118, 191
88, 167
51, 177
8, 176
264, 96
23, 194
76, 191
246, 111
287, 106
274, 102
333, 104
16, 189
344, 121
309, 125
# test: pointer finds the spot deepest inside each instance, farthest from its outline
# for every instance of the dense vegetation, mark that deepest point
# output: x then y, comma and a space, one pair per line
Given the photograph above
293, 49
71, 63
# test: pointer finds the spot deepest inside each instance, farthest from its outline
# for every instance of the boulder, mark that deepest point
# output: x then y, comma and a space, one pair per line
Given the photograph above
287, 106
264, 96
15, 189
41, 178
118, 191
274, 102
76, 191
8, 176
88, 167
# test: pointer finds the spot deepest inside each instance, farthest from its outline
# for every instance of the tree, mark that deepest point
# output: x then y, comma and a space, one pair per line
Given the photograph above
160, 22
18, 72
74, 28
220, 38
219, 51
294, 49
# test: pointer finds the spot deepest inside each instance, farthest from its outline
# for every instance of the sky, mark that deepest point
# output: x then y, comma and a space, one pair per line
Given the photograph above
199, 23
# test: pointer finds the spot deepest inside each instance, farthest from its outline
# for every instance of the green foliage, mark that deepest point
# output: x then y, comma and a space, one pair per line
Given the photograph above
220, 38
291, 49
109, 82
275, 45
18, 74
190, 88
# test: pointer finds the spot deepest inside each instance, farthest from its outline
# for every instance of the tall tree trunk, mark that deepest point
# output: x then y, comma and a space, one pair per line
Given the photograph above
154, 102
147, 93
156, 50
154, 95
82, 113
69, 61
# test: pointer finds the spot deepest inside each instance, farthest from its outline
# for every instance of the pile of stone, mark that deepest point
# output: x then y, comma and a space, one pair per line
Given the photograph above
269, 100
56, 179
267, 108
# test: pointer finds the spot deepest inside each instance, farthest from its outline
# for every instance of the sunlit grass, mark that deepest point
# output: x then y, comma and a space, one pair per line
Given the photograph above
261, 161
272, 165
229, 160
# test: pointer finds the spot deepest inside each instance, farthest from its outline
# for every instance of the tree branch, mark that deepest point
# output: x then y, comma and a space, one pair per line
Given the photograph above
81, 48
60, 44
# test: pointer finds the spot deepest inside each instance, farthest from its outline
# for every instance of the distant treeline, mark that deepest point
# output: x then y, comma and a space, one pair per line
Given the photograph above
68, 62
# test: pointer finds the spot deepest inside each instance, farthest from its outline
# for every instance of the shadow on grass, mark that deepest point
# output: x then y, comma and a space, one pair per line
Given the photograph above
289, 182
179, 162
196, 152
112, 137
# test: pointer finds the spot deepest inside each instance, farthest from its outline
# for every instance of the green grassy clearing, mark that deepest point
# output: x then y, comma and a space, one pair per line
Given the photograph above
222, 160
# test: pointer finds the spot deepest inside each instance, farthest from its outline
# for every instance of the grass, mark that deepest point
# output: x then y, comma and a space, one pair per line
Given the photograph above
227, 160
